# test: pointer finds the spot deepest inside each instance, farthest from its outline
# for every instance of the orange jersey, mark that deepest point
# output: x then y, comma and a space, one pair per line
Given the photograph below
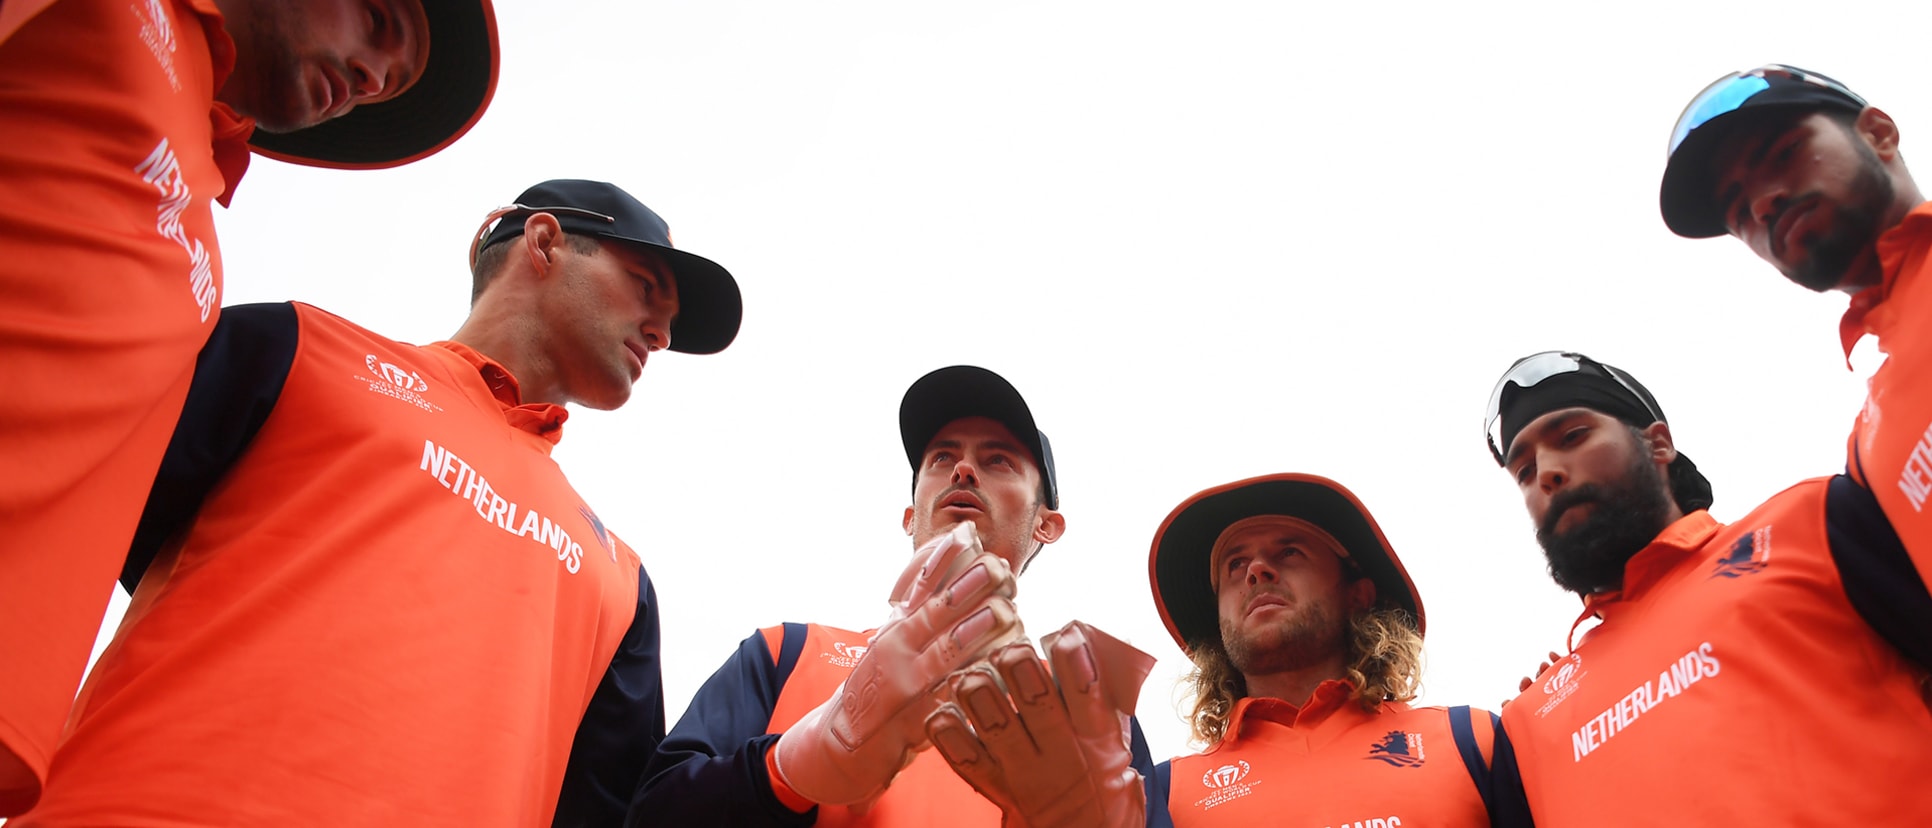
1731, 682
110, 280
1891, 445
1328, 763
391, 609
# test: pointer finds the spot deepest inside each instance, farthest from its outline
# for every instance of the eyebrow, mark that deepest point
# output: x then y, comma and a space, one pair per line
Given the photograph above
1002, 445
1516, 445
1752, 159
993, 445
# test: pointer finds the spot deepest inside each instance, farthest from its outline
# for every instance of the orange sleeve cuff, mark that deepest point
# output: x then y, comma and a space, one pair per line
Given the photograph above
779, 789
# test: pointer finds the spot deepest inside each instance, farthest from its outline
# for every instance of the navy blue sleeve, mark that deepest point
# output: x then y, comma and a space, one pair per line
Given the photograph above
239, 375
1878, 574
710, 769
1509, 803
1158, 783
1143, 759
622, 727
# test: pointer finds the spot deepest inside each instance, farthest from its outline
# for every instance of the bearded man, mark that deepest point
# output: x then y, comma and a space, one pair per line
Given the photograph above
1734, 677
1306, 636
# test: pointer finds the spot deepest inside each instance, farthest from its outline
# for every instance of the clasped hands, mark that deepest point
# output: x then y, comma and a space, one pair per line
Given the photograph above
1045, 739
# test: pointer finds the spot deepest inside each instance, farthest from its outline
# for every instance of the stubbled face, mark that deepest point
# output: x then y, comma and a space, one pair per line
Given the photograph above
1283, 604
1594, 491
1811, 199
605, 312
976, 470
301, 62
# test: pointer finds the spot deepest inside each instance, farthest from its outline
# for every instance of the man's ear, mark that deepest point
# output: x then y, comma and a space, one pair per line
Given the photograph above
1048, 525
1662, 449
1361, 594
542, 239
1878, 130
907, 522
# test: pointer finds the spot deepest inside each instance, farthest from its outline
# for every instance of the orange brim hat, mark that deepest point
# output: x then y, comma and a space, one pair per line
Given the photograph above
1177, 565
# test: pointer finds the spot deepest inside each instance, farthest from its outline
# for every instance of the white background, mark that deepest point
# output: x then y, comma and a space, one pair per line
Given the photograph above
1206, 240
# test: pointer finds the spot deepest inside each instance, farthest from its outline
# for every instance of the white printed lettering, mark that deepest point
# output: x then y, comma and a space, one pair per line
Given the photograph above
1692, 667
498, 510
1915, 480
162, 170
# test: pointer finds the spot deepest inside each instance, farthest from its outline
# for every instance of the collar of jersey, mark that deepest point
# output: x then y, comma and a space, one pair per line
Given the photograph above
1332, 700
1864, 315
542, 419
1669, 550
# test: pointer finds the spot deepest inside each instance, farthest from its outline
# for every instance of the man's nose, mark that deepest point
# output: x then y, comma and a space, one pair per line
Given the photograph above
1765, 204
964, 472
1260, 571
657, 334
1551, 477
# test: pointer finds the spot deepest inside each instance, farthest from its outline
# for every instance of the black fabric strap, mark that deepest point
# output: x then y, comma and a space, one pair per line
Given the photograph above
790, 649
1878, 575
1464, 731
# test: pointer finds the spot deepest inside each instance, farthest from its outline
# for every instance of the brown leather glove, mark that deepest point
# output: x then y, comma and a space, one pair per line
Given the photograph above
848, 749
1050, 748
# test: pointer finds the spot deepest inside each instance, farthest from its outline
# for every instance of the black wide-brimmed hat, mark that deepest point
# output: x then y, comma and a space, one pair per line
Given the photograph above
456, 86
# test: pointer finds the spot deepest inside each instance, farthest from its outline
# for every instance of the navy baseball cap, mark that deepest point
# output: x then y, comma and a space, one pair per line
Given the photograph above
962, 391
709, 305
457, 83
1178, 565
1740, 99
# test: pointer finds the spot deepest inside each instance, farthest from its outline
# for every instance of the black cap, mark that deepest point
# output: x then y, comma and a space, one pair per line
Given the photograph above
1773, 93
962, 391
709, 305
1178, 564
456, 86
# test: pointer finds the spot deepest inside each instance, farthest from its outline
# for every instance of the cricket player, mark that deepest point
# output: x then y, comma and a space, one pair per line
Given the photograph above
1739, 644
810, 724
1306, 636
125, 121
374, 597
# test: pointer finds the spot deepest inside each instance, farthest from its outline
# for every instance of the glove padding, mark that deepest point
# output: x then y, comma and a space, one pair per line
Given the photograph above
1051, 750
848, 749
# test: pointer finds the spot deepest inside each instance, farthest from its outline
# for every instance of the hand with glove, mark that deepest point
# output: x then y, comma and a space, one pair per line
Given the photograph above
848, 749
1051, 750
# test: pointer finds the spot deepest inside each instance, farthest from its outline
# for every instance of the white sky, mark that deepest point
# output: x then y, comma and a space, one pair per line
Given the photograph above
1206, 240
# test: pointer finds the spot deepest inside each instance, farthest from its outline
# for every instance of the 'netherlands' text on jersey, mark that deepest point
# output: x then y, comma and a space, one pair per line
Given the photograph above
391, 608
711, 769
1329, 763
1732, 682
113, 152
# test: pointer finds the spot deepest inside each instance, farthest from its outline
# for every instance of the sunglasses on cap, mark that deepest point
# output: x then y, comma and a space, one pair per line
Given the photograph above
499, 214
1532, 370
1727, 94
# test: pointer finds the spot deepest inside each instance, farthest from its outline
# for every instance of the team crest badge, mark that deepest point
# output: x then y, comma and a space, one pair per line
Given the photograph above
1398, 749
597, 526
1750, 554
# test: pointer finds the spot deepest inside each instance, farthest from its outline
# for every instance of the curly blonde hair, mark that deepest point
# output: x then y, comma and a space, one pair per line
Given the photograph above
1385, 664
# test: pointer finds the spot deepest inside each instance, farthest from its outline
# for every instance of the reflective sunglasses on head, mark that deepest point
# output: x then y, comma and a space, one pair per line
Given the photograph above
1728, 93
490, 221
1532, 370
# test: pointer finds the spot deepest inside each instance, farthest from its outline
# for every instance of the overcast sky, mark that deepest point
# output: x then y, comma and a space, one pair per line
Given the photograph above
1207, 241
